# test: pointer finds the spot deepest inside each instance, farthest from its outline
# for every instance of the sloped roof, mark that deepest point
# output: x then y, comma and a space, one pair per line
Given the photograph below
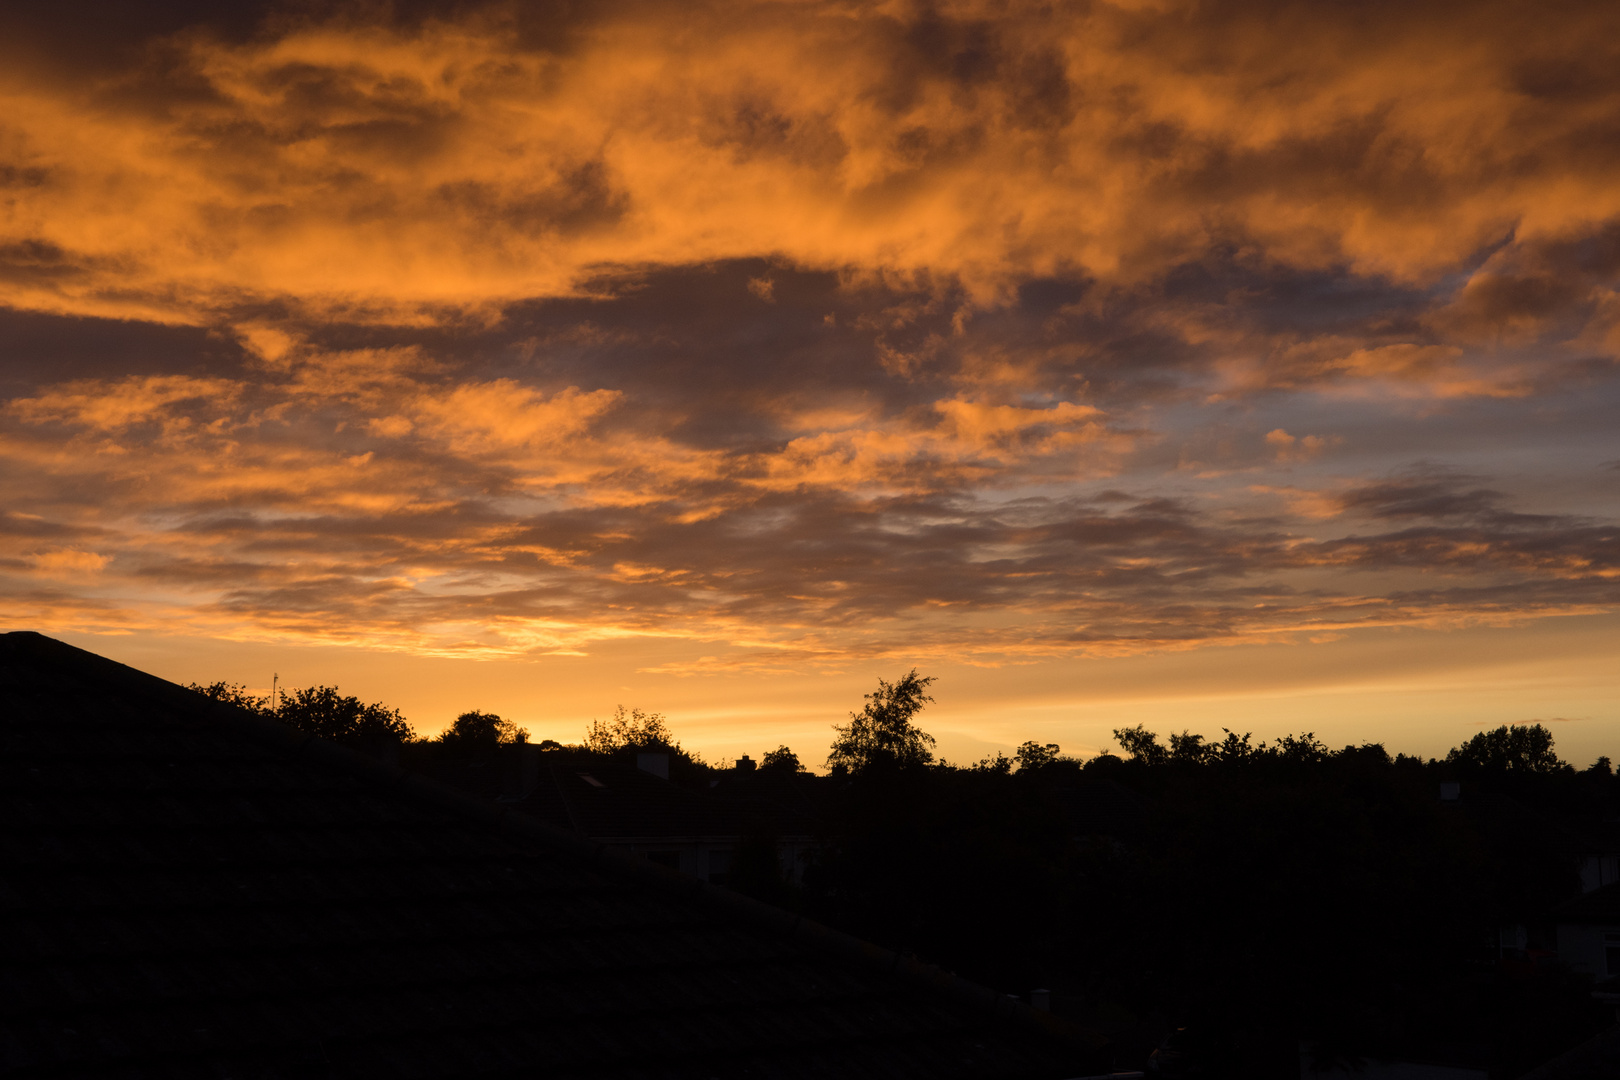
1598, 906
190, 890
1598, 1058
610, 801
803, 794
1101, 806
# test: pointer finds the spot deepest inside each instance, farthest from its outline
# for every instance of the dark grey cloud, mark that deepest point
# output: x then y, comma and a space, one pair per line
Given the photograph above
1152, 571
40, 350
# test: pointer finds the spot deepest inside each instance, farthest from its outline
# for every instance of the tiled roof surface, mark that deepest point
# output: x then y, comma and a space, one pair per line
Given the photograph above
192, 891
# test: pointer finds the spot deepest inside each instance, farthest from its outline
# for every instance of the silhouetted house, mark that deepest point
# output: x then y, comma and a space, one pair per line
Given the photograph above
1101, 808
1598, 859
191, 890
631, 808
1598, 1058
808, 798
640, 813
1587, 932
1573, 857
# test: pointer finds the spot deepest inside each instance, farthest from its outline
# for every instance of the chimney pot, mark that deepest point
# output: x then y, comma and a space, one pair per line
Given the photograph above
745, 764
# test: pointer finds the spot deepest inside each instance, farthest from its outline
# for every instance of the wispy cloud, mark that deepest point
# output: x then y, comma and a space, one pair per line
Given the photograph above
358, 498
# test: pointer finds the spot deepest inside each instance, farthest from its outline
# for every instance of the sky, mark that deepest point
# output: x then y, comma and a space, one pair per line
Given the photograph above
1202, 365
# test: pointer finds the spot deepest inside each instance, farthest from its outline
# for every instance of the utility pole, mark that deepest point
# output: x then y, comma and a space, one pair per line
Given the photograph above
275, 691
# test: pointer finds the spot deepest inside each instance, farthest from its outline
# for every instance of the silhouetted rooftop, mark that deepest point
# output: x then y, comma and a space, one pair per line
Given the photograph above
1098, 806
193, 890
1598, 906
1598, 1058
618, 801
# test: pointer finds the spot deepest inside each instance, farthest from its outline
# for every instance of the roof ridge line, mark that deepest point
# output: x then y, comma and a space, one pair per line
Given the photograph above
792, 925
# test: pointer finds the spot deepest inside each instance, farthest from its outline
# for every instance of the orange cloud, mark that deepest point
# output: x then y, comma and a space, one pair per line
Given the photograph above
109, 409
393, 170
502, 416
805, 330
68, 563
500, 520
1289, 448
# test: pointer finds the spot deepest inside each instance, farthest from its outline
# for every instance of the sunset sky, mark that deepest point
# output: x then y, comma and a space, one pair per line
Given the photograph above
1202, 365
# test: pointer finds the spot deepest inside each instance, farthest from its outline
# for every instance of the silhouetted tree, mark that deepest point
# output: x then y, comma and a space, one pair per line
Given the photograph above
782, 760
1517, 750
1125, 864
882, 735
234, 694
997, 763
1033, 755
1306, 749
630, 729
323, 711
1141, 744
481, 729
1188, 747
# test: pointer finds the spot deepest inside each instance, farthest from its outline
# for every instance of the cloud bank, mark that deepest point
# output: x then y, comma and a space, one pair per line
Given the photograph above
814, 331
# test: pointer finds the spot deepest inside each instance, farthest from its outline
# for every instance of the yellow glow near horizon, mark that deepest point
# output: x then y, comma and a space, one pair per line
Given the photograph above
1374, 687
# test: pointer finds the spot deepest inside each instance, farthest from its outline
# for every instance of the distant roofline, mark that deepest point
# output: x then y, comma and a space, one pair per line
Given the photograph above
601, 856
1600, 906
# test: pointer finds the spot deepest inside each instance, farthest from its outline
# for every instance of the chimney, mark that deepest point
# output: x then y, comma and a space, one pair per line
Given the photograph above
745, 764
657, 764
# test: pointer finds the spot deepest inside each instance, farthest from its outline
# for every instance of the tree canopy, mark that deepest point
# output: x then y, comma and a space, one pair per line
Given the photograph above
234, 694
323, 711
477, 729
1034, 755
1141, 744
782, 759
630, 732
630, 729
1515, 750
882, 736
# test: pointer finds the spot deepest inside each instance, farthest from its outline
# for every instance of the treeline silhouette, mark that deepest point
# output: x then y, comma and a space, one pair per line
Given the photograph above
1254, 893
326, 712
